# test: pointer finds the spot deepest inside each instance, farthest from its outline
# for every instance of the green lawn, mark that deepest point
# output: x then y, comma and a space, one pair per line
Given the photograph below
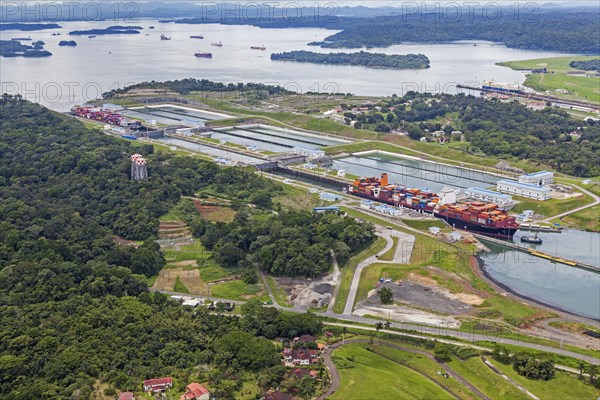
194, 251
424, 225
278, 292
550, 207
374, 377
588, 219
210, 271
486, 380
294, 197
180, 287
237, 290
426, 366
562, 386
348, 273
389, 255
582, 88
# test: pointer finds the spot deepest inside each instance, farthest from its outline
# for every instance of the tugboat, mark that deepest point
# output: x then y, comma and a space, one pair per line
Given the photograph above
217, 44
258, 47
164, 37
203, 55
531, 239
91, 36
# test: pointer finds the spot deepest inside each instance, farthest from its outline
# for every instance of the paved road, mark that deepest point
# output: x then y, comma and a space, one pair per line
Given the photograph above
362, 265
422, 332
336, 381
596, 201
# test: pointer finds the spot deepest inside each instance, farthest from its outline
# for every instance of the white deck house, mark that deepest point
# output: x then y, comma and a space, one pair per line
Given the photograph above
541, 178
489, 196
523, 189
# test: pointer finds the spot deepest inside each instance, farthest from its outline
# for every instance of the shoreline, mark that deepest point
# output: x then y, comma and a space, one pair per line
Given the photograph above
481, 267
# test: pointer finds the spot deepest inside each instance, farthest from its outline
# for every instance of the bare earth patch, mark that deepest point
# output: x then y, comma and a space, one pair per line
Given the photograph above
190, 278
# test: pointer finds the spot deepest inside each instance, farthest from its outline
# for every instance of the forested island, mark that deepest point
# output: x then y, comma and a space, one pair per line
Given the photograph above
371, 60
590, 65
67, 43
17, 26
111, 30
14, 48
541, 28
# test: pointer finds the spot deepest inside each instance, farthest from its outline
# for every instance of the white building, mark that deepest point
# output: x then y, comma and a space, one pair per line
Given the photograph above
523, 189
489, 196
307, 151
447, 195
541, 178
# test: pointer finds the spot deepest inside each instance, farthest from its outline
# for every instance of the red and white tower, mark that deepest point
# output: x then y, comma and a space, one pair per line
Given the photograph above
138, 167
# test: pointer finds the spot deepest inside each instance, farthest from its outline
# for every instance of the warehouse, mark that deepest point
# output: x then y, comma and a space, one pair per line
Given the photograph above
541, 178
489, 196
523, 189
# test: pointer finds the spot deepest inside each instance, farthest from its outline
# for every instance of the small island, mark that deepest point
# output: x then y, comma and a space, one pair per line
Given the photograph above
17, 26
111, 30
14, 48
370, 60
67, 43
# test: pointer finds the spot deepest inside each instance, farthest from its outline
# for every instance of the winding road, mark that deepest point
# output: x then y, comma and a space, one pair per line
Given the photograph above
596, 201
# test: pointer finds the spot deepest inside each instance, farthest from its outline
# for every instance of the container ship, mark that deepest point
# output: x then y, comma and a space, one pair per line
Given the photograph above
196, 37
203, 55
108, 116
478, 217
258, 47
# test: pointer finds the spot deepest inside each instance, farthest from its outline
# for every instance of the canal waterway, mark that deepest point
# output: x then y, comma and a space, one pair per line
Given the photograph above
211, 151
568, 288
415, 173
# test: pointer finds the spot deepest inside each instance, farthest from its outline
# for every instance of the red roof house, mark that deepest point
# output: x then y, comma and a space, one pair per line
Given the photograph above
158, 384
295, 357
277, 395
195, 391
126, 396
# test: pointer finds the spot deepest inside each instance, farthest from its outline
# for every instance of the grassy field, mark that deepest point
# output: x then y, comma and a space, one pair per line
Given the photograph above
238, 290
348, 273
424, 225
180, 287
278, 292
588, 219
194, 251
294, 197
486, 380
425, 366
574, 326
582, 88
376, 377
550, 207
389, 255
370, 276
562, 386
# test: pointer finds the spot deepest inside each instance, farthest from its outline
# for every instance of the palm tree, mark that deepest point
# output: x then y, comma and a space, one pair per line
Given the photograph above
344, 331
387, 326
581, 366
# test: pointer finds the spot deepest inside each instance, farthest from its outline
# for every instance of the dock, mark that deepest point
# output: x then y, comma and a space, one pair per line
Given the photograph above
539, 228
536, 253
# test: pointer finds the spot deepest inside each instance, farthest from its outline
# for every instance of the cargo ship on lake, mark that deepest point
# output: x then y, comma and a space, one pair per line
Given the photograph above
203, 55
473, 216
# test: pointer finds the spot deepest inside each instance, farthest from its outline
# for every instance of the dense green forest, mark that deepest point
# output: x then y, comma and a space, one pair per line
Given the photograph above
372, 60
523, 26
74, 305
289, 243
589, 65
493, 128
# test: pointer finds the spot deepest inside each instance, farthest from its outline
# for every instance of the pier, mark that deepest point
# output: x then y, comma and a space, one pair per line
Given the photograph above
535, 253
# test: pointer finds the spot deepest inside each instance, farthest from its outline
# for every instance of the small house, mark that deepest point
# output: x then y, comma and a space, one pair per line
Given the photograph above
157, 385
126, 396
195, 391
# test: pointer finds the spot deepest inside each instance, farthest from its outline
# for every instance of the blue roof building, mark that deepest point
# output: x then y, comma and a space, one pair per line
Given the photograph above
523, 189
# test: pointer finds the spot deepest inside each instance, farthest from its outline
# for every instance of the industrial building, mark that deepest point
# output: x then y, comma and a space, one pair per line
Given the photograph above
523, 189
489, 196
307, 151
541, 178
